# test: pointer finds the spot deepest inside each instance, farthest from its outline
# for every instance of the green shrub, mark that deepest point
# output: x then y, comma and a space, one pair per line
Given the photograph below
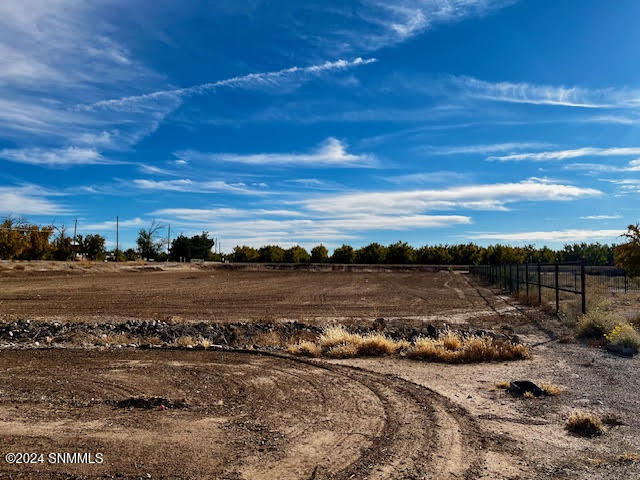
597, 322
624, 336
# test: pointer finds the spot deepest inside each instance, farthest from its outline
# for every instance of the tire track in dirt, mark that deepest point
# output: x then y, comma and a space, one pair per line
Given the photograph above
293, 419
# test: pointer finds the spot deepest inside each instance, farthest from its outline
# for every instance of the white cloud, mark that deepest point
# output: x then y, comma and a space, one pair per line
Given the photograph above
187, 185
601, 217
480, 197
428, 177
111, 225
331, 153
243, 228
568, 154
385, 23
489, 148
27, 200
249, 81
57, 157
572, 235
632, 166
545, 94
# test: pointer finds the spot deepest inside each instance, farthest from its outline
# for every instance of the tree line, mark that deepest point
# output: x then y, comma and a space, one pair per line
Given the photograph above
20, 240
402, 253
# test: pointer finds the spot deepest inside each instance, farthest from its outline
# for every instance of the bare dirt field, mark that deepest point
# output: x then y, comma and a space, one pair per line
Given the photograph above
250, 414
228, 295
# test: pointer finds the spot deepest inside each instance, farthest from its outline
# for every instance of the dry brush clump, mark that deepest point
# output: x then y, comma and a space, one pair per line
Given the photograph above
584, 424
603, 324
450, 347
453, 348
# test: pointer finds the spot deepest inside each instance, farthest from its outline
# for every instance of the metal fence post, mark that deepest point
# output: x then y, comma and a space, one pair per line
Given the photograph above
539, 284
526, 278
510, 277
556, 285
583, 289
626, 282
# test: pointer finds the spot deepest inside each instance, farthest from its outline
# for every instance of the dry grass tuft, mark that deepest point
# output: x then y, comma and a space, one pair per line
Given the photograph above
376, 344
205, 343
503, 385
466, 350
269, 339
305, 349
345, 350
528, 395
584, 424
334, 336
628, 457
451, 347
186, 341
551, 389
117, 339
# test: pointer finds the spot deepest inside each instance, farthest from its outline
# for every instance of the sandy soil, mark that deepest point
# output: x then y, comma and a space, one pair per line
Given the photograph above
252, 415
222, 296
247, 416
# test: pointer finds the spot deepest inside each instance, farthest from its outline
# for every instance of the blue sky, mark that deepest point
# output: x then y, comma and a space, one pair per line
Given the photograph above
430, 121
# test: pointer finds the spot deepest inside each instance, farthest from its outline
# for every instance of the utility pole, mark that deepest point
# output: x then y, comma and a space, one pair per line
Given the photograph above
168, 240
117, 237
75, 230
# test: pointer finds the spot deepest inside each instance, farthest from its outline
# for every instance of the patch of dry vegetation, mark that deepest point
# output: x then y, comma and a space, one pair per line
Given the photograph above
551, 389
186, 341
584, 424
305, 348
450, 347
453, 348
604, 324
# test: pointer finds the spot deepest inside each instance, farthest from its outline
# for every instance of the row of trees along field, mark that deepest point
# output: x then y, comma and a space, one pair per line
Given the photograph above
21, 240
403, 253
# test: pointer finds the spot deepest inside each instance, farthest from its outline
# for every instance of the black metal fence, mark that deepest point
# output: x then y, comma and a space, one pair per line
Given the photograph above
533, 279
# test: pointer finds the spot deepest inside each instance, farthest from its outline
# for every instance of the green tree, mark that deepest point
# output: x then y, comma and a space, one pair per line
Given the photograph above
373, 253
148, 243
297, 254
92, 246
198, 246
130, 255
271, 254
62, 247
627, 255
343, 254
319, 254
244, 254
400, 253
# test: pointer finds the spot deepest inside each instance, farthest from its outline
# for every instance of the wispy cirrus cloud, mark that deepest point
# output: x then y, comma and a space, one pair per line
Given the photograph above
567, 154
193, 186
377, 24
475, 197
601, 217
533, 94
569, 235
632, 166
486, 148
249, 81
57, 157
331, 153
111, 225
28, 200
